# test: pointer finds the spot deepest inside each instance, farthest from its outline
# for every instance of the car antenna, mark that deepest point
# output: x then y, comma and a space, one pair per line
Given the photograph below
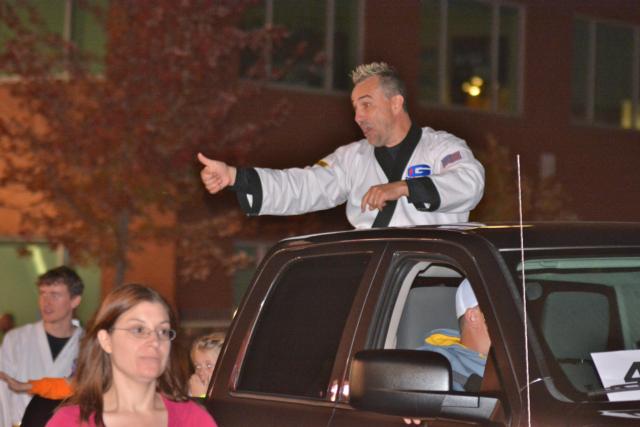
524, 296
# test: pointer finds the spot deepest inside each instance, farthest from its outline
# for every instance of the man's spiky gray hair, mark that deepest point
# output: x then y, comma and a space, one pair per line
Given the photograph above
389, 79
364, 71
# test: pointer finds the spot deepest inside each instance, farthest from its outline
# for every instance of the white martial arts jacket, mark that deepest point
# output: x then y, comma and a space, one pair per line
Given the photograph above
454, 182
25, 355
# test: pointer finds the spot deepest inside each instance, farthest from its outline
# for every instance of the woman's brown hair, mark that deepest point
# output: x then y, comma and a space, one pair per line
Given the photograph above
94, 377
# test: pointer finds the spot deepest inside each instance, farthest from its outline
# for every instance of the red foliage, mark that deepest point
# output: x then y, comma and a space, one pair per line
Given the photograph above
107, 151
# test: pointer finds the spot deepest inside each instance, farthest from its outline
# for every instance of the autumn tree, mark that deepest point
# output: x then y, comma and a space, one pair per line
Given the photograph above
108, 153
543, 198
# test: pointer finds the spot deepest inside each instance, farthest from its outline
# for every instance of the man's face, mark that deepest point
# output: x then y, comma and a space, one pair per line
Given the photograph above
374, 112
475, 320
56, 303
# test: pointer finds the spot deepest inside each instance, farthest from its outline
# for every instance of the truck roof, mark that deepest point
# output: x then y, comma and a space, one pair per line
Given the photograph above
504, 236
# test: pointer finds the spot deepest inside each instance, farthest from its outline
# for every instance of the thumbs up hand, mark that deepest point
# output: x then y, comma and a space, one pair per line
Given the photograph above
216, 175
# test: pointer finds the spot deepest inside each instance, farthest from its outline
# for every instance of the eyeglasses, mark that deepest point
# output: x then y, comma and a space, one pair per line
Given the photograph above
201, 367
142, 332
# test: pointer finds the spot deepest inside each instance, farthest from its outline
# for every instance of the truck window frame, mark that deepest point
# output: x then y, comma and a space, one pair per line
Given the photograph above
281, 260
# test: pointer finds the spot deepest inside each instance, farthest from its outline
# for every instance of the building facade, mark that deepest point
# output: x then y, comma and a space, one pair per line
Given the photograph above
557, 83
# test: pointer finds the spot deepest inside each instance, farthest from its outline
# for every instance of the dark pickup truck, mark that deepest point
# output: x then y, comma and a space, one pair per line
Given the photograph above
327, 333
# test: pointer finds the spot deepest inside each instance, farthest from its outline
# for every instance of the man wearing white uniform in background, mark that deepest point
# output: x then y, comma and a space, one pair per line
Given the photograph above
399, 175
48, 348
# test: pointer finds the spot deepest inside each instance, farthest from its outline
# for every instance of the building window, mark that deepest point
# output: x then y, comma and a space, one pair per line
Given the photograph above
88, 34
322, 44
70, 21
470, 54
606, 74
255, 251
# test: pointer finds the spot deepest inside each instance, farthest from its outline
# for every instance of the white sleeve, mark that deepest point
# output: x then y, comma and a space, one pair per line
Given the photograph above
459, 178
299, 190
7, 358
6, 363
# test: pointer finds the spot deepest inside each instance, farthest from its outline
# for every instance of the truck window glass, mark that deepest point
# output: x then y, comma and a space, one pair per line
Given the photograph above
425, 301
423, 317
581, 305
310, 300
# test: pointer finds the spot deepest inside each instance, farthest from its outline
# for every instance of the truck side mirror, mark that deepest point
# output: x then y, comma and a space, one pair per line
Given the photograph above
413, 384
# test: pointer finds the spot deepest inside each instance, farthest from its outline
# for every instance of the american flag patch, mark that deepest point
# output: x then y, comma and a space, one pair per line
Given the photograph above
451, 158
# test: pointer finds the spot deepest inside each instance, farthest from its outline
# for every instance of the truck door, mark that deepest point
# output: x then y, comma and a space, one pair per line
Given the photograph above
413, 294
291, 336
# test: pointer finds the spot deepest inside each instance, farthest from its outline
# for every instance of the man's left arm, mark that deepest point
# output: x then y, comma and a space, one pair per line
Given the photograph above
456, 187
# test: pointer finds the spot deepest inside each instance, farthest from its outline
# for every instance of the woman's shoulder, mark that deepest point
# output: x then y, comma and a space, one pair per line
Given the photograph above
187, 413
66, 416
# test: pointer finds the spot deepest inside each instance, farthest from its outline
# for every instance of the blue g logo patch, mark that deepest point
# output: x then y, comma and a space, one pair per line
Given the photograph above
418, 171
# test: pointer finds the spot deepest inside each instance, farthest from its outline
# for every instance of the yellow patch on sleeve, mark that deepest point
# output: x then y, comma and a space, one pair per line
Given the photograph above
322, 163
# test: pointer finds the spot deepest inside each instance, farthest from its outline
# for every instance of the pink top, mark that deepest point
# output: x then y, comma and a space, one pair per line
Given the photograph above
179, 414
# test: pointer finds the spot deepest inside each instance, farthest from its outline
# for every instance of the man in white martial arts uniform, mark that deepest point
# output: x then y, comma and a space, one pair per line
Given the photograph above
398, 175
47, 348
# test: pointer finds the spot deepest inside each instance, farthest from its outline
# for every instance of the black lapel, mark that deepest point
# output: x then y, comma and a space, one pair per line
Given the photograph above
393, 169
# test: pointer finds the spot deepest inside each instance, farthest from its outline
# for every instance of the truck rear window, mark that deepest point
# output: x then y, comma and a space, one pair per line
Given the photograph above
296, 337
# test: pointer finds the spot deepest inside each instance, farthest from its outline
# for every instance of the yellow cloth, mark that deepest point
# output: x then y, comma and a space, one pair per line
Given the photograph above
442, 340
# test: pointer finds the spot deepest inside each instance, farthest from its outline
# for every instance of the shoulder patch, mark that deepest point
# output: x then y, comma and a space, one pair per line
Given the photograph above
451, 158
322, 163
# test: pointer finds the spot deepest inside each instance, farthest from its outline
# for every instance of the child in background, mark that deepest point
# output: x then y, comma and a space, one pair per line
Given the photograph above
204, 354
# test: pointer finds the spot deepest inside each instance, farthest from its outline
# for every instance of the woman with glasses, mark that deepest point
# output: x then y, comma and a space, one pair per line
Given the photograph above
126, 374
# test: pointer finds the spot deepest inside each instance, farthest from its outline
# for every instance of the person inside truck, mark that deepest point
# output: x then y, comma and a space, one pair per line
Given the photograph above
467, 349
